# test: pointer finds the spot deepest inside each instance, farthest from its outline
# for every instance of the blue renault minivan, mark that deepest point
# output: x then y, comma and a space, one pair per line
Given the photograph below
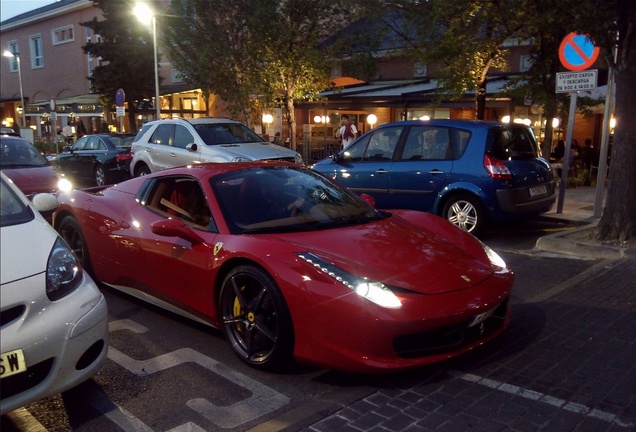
470, 172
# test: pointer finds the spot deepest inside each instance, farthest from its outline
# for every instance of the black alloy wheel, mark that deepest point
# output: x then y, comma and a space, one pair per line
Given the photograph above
255, 317
142, 170
100, 176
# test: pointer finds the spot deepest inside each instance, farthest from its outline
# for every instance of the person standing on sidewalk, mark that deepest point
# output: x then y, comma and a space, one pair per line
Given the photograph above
347, 131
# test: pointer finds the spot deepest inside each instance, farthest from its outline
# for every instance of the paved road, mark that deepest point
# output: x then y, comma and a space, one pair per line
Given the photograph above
169, 374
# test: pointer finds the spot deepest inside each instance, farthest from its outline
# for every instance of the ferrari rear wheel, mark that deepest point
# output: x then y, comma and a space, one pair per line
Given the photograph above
256, 320
72, 234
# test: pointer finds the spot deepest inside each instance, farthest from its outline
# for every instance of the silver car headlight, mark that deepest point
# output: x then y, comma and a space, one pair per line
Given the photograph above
240, 159
63, 271
298, 159
373, 291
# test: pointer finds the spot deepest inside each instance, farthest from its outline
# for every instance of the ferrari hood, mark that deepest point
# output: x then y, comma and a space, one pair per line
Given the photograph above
399, 254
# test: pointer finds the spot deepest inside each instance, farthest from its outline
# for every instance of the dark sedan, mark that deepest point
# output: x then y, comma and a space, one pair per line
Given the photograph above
101, 158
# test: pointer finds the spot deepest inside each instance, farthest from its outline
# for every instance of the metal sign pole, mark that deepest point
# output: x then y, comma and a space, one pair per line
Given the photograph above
602, 160
568, 146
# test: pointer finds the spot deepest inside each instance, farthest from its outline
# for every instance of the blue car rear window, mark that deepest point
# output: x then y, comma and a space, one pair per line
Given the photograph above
514, 143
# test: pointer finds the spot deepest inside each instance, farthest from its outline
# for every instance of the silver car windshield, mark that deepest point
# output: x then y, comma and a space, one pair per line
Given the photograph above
226, 133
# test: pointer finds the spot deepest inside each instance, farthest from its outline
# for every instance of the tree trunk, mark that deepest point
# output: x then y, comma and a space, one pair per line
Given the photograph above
618, 221
132, 117
546, 145
480, 100
291, 111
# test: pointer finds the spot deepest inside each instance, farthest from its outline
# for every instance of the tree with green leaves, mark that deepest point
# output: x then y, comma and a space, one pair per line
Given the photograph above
211, 44
612, 25
125, 50
296, 67
466, 36
464, 41
256, 52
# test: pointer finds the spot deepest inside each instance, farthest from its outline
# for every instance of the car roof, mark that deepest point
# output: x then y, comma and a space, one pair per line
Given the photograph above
199, 120
108, 135
458, 123
216, 168
13, 138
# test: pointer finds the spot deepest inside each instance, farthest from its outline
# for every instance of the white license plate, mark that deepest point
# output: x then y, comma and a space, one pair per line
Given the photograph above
538, 190
478, 319
11, 363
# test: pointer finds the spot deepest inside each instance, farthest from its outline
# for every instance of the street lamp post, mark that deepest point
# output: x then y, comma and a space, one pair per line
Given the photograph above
145, 15
8, 53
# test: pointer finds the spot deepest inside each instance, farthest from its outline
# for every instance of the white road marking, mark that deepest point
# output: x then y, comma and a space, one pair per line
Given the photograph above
541, 397
263, 400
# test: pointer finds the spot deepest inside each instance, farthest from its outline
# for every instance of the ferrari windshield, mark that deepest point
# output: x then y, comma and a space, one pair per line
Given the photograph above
286, 199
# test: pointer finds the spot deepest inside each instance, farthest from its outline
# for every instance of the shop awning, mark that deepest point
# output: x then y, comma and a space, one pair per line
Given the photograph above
82, 105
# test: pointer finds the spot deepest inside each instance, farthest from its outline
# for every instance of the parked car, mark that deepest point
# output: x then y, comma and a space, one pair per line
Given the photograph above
8, 131
101, 158
27, 168
292, 265
54, 332
467, 171
163, 144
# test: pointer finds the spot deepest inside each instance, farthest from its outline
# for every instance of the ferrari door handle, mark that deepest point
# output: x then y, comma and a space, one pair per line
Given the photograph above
173, 155
382, 171
436, 171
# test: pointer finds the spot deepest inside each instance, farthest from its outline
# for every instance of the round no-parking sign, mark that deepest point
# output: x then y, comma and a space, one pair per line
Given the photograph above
577, 52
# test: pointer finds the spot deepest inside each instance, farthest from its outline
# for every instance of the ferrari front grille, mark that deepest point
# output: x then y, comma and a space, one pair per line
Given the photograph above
449, 339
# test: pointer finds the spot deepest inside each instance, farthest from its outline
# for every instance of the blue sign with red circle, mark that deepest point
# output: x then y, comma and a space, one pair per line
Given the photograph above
577, 52
120, 97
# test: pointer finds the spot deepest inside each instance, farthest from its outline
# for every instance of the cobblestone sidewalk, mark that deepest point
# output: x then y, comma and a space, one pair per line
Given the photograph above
566, 363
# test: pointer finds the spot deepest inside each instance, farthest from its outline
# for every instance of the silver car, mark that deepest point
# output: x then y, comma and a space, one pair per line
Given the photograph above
163, 144
54, 332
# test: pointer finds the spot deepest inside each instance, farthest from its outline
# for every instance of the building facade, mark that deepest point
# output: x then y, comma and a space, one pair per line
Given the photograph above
56, 89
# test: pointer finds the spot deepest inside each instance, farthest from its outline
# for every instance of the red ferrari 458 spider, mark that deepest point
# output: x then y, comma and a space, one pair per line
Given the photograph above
292, 266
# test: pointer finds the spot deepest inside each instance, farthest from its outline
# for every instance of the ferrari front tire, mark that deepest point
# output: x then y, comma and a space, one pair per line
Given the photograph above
256, 320
70, 230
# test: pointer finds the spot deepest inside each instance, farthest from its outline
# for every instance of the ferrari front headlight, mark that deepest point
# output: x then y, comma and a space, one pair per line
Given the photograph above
495, 259
373, 291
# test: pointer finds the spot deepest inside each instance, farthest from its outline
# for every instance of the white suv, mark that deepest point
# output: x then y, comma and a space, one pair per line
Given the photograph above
163, 144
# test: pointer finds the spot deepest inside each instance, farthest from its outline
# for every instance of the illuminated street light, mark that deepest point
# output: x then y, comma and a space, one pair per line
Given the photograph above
267, 119
8, 53
146, 15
